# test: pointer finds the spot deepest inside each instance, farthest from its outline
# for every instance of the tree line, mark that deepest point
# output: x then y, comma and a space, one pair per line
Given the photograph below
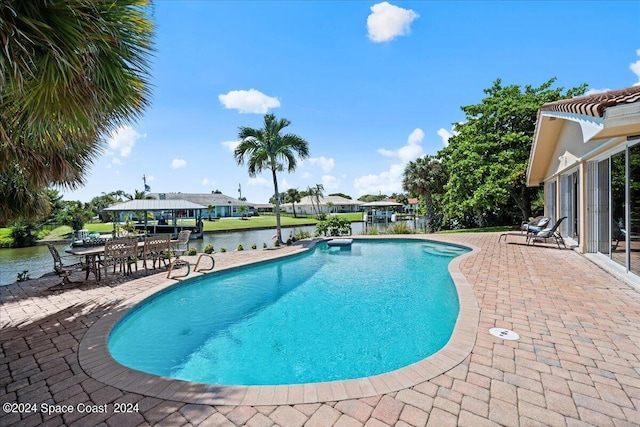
479, 178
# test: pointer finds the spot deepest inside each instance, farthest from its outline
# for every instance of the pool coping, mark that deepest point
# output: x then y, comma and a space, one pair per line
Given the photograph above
97, 362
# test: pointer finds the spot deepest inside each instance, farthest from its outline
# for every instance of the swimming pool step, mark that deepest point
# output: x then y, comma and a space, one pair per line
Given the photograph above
442, 250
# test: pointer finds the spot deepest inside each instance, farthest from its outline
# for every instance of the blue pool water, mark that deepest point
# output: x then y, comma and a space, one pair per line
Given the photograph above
329, 314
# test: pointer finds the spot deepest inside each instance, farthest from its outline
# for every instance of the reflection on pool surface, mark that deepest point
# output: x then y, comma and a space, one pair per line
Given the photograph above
328, 314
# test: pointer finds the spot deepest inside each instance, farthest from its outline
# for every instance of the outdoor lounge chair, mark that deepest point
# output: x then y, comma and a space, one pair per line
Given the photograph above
528, 228
537, 224
61, 269
547, 233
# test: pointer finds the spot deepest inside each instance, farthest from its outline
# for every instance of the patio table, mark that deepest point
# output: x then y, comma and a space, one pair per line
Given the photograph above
92, 255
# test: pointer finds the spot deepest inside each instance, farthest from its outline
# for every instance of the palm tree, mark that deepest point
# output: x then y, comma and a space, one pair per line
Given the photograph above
267, 149
209, 209
426, 179
71, 72
139, 195
293, 196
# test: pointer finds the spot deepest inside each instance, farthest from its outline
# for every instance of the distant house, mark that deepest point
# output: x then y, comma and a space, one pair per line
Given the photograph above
586, 153
222, 205
328, 204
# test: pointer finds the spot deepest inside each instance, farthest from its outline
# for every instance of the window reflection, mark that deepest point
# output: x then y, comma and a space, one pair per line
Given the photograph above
634, 205
618, 209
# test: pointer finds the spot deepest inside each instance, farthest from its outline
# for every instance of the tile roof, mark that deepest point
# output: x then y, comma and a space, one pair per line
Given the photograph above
595, 105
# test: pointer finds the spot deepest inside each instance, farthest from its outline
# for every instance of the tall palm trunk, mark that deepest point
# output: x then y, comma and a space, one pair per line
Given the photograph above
277, 197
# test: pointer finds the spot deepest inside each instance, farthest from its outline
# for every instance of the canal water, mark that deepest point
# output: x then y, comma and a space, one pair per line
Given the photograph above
37, 260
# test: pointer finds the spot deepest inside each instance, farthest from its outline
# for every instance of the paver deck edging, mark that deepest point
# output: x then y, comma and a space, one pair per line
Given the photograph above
97, 362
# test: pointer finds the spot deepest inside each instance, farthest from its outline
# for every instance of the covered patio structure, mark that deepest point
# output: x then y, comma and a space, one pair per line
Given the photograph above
168, 212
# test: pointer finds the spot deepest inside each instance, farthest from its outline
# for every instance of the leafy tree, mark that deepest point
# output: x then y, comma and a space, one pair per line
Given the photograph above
267, 149
293, 196
488, 154
242, 209
71, 72
75, 215
209, 209
341, 195
372, 197
426, 178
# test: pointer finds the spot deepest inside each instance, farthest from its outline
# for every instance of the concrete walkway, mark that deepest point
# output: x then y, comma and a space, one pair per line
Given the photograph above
577, 362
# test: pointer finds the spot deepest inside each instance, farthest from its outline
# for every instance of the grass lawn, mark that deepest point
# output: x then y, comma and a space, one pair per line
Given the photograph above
262, 221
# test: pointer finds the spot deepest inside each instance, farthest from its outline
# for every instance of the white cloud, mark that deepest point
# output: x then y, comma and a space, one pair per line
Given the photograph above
258, 181
386, 182
116, 161
123, 139
445, 135
390, 181
594, 91
284, 185
178, 163
151, 178
635, 67
207, 182
248, 101
411, 151
330, 182
416, 136
387, 22
386, 153
230, 145
306, 175
323, 162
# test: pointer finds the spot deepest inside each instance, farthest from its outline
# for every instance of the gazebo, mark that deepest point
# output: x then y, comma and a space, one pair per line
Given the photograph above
171, 208
376, 206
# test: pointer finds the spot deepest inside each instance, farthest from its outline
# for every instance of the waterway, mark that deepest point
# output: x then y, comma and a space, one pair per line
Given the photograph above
37, 260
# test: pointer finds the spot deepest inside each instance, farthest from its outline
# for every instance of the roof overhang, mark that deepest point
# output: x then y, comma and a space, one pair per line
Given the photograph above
548, 130
153, 205
619, 121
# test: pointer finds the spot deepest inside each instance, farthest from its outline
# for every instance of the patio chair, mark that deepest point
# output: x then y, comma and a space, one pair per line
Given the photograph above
156, 249
61, 269
548, 233
179, 248
618, 233
120, 253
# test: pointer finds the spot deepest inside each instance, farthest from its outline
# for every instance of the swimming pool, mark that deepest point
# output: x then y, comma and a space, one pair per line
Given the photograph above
326, 315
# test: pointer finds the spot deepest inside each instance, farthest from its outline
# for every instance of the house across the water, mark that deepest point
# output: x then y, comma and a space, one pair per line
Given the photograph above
217, 205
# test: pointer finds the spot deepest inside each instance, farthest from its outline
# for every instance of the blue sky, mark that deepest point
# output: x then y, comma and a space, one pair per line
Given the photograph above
370, 85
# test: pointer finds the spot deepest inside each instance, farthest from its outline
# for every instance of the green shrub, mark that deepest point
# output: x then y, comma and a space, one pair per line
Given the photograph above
223, 249
264, 245
400, 228
192, 251
22, 235
24, 276
372, 231
208, 249
239, 248
254, 246
276, 243
301, 234
334, 226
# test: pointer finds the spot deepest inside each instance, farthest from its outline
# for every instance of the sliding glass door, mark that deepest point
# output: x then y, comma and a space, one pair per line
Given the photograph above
634, 209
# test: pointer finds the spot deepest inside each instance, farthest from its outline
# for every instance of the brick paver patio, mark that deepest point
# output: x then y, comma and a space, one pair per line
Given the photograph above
577, 362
